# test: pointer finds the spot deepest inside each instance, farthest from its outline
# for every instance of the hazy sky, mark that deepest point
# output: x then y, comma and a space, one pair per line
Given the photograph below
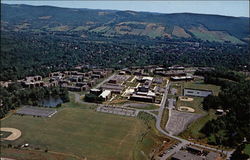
223, 7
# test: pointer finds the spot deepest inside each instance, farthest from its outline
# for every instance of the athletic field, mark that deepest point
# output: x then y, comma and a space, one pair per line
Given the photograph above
81, 132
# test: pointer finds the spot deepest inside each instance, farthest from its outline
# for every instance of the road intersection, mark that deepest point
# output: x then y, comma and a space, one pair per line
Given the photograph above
182, 142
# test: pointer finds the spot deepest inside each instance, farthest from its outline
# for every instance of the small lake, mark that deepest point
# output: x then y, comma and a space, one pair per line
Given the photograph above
51, 102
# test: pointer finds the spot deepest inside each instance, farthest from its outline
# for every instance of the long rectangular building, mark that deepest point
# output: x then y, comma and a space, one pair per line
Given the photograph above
142, 98
115, 88
197, 92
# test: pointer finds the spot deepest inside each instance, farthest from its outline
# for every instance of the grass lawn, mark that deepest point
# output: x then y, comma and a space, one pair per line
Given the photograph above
148, 107
150, 139
33, 154
247, 149
193, 130
197, 101
4, 134
202, 85
79, 131
164, 119
195, 104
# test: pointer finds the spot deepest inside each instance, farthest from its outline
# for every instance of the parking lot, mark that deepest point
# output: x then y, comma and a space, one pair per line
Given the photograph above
117, 110
179, 121
36, 111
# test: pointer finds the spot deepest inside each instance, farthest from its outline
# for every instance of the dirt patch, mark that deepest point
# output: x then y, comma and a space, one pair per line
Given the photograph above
15, 134
180, 32
186, 109
186, 99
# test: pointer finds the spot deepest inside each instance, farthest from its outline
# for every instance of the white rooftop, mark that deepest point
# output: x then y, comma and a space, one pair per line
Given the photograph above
148, 78
105, 93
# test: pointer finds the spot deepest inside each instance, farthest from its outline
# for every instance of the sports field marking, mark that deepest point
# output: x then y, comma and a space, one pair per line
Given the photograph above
187, 109
186, 99
15, 133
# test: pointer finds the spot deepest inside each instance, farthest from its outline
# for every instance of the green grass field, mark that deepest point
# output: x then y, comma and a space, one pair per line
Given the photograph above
164, 119
197, 101
193, 130
4, 134
202, 85
80, 131
195, 104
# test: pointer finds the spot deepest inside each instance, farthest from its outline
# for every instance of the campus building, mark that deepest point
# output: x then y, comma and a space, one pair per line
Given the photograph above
197, 92
105, 95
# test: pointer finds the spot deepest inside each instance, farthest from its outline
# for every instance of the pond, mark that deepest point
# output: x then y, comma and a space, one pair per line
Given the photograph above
50, 102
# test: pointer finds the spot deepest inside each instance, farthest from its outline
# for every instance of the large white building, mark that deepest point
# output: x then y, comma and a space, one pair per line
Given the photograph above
106, 94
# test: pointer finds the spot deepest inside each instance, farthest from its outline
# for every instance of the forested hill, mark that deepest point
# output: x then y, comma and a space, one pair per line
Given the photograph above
110, 23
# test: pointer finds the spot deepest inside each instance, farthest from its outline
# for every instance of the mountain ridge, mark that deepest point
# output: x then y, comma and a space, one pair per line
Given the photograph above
206, 27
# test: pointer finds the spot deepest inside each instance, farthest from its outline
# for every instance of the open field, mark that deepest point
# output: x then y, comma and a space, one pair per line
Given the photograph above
77, 131
82, 132
196, 104
33, 154
151, 140
14, 133
202, 85
193, 130
4, 134
195, 85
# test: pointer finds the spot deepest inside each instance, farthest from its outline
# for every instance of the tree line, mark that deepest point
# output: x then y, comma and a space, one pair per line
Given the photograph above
25, 53
231, 128
15, 95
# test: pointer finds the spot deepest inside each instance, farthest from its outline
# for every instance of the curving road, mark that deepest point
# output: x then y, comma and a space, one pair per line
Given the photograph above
182, 142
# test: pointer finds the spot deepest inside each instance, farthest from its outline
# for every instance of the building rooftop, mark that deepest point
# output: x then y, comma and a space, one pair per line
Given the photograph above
147, 78
105, 93
95, 90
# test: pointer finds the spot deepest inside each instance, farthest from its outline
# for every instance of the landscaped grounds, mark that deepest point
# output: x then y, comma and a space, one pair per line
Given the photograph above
81, 132
77, 131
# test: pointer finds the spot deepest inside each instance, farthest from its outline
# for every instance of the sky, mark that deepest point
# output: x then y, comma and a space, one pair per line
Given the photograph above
237, 8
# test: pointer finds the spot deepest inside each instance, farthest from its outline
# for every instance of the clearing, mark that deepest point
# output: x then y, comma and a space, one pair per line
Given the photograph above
78, 131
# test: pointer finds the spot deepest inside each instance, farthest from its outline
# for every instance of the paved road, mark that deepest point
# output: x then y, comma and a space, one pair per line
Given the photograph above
158, 117
183, 142
178, 121
106, 80
78, 97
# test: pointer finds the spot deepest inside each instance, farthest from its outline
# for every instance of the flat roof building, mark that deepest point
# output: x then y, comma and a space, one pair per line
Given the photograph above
115, 88
180, 78
143, 98
106, 94
197, 92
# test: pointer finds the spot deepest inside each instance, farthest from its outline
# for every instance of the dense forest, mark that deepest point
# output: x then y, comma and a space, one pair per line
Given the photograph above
233, 126
41, 39
15, 95
25, 54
